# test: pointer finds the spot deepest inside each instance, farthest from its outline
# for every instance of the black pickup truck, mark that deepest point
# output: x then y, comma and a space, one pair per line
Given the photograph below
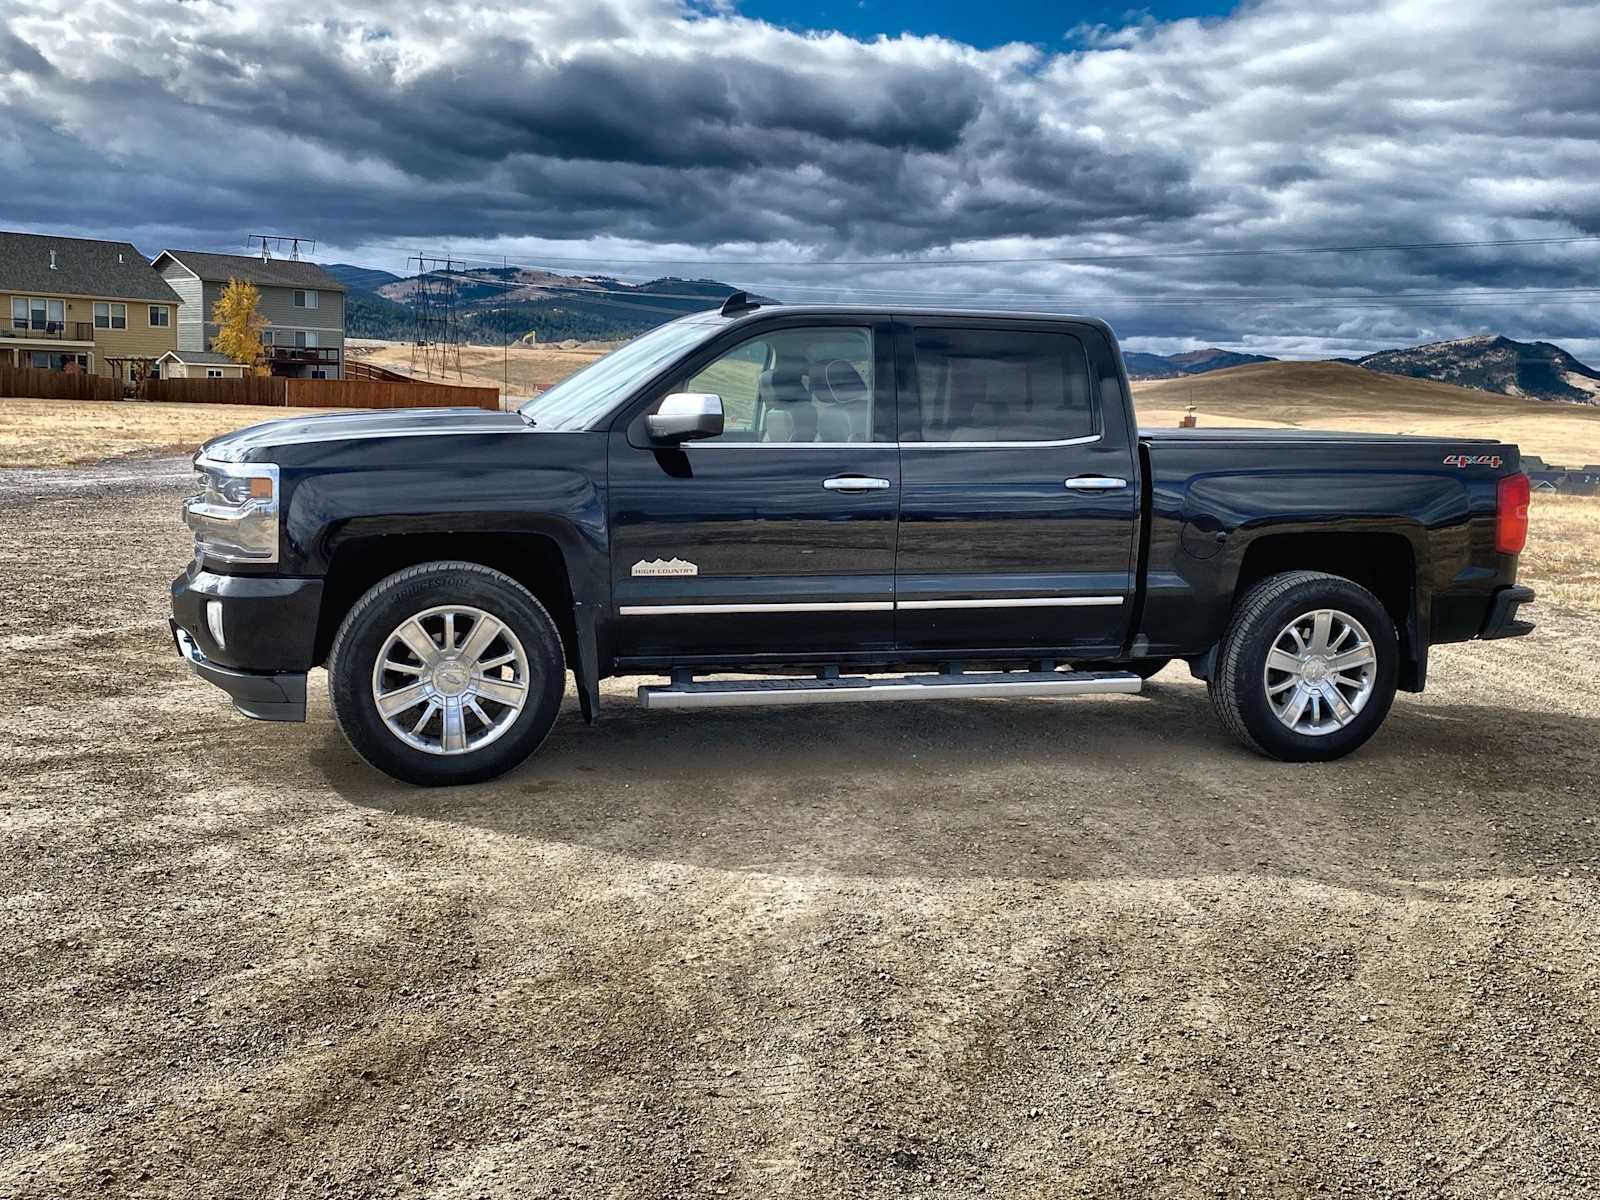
838, 504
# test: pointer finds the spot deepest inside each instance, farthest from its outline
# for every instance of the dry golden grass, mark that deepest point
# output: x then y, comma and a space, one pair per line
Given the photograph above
1322, 395
529, 369
1562, 561
55, 433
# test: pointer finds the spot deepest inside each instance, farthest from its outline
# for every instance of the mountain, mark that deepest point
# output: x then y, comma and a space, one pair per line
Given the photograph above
365, 279
1190, 362
369, 315
1540, 370
497, 304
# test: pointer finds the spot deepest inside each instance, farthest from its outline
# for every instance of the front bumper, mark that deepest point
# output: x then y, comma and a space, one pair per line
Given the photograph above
1502, 619
267, 642
266, 697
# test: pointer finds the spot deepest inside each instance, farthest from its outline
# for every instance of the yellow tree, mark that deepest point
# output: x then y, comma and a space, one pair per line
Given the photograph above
237, 316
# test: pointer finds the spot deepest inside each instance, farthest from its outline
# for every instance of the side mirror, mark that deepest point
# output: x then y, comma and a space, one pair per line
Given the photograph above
683, 416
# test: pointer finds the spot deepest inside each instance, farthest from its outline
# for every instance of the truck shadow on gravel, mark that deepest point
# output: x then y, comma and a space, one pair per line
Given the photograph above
1136, 787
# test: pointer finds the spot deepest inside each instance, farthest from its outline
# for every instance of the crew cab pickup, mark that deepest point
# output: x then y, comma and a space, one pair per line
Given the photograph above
836, 505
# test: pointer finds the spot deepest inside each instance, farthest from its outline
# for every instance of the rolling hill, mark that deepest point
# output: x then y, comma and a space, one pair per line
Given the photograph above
501, 304
1541, 370
1190, 362
1332, 395
365, 279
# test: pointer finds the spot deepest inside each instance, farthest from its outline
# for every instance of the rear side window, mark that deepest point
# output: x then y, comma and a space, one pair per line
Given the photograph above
994, 385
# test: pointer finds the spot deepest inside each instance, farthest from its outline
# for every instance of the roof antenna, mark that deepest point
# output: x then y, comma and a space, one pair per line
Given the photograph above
738, 303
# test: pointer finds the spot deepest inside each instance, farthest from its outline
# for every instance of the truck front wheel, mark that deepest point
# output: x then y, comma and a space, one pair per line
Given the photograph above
1306, 670
446, 673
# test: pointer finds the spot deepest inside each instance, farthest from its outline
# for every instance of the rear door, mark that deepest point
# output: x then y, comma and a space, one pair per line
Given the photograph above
1019, 497
777, 538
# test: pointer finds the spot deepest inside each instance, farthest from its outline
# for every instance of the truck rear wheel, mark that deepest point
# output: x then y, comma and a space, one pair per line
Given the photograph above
1306, 670
446, 673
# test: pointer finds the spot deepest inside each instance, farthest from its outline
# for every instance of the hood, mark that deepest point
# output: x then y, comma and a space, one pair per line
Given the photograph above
256, 443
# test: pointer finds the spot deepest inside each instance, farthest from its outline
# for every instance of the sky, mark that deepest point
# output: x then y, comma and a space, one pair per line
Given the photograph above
1180, 170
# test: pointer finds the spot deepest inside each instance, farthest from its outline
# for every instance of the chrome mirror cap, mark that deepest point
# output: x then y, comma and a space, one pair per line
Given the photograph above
686, 415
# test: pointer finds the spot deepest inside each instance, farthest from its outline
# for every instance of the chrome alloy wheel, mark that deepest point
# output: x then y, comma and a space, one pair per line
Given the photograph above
450, 680
1320, 672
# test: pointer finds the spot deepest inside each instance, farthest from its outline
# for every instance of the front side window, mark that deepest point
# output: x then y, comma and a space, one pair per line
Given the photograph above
994, 385
794, 386
160, 316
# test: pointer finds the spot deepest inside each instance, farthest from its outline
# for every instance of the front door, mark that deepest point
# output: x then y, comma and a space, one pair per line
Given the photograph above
777, 538
1019, 496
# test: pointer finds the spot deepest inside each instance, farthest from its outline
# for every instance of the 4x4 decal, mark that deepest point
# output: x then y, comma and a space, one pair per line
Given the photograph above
1472, 460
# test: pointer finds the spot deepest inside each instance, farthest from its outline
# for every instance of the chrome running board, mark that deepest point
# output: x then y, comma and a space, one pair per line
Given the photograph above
684, 692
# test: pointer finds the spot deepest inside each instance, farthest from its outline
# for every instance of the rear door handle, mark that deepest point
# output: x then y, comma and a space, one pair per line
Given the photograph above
1096, 483
855, 483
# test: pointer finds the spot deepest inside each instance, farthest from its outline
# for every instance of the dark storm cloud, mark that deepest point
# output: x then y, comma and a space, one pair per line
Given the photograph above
620, 128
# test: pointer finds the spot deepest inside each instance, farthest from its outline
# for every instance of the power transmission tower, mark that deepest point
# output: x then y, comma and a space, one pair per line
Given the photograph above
435, 321
270, 240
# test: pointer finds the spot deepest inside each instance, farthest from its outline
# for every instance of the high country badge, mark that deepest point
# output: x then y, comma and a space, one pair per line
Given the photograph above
665, 566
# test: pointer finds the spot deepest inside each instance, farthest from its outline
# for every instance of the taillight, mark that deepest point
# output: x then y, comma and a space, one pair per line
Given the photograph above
1511, 518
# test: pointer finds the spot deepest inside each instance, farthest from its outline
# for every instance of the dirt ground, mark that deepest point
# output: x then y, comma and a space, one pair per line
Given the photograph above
1005, 948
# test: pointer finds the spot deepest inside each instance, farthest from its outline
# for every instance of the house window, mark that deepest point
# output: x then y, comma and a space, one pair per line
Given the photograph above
36, 315
110, 316
19, 312
55, 315
305, 299
266, 337
304, 338
319, 374
213, 372
160, 316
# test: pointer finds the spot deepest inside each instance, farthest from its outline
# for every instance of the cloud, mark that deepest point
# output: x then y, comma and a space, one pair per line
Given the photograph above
647, 129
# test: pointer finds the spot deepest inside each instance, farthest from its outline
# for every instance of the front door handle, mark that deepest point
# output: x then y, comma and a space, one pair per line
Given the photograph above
855, 483
1096, 483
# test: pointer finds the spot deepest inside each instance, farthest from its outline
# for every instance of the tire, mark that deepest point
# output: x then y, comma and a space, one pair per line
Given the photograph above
1239, 684
473, 749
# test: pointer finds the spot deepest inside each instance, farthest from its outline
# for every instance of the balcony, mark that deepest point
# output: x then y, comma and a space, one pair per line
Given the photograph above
51, 331
302, 356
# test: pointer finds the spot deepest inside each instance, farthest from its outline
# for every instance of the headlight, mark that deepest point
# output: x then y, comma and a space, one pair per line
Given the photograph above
234, 514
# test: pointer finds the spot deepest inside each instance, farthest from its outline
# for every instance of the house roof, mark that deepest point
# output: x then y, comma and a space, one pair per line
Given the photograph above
268, 272
200, 358
83, 267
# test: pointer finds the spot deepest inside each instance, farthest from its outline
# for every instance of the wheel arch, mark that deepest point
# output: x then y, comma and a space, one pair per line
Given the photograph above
1385, 562
360, 557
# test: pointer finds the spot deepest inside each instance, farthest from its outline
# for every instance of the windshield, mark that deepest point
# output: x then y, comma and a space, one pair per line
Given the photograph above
580, 400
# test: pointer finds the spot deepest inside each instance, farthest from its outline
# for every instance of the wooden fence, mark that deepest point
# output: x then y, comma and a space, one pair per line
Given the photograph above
58, 385
265, 390
279, 392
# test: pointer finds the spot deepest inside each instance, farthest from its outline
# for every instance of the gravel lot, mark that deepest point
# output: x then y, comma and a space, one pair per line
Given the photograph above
1016, 948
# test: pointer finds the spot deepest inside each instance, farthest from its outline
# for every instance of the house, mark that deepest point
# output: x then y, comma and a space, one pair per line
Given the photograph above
199, 364
303, 305
81, 304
